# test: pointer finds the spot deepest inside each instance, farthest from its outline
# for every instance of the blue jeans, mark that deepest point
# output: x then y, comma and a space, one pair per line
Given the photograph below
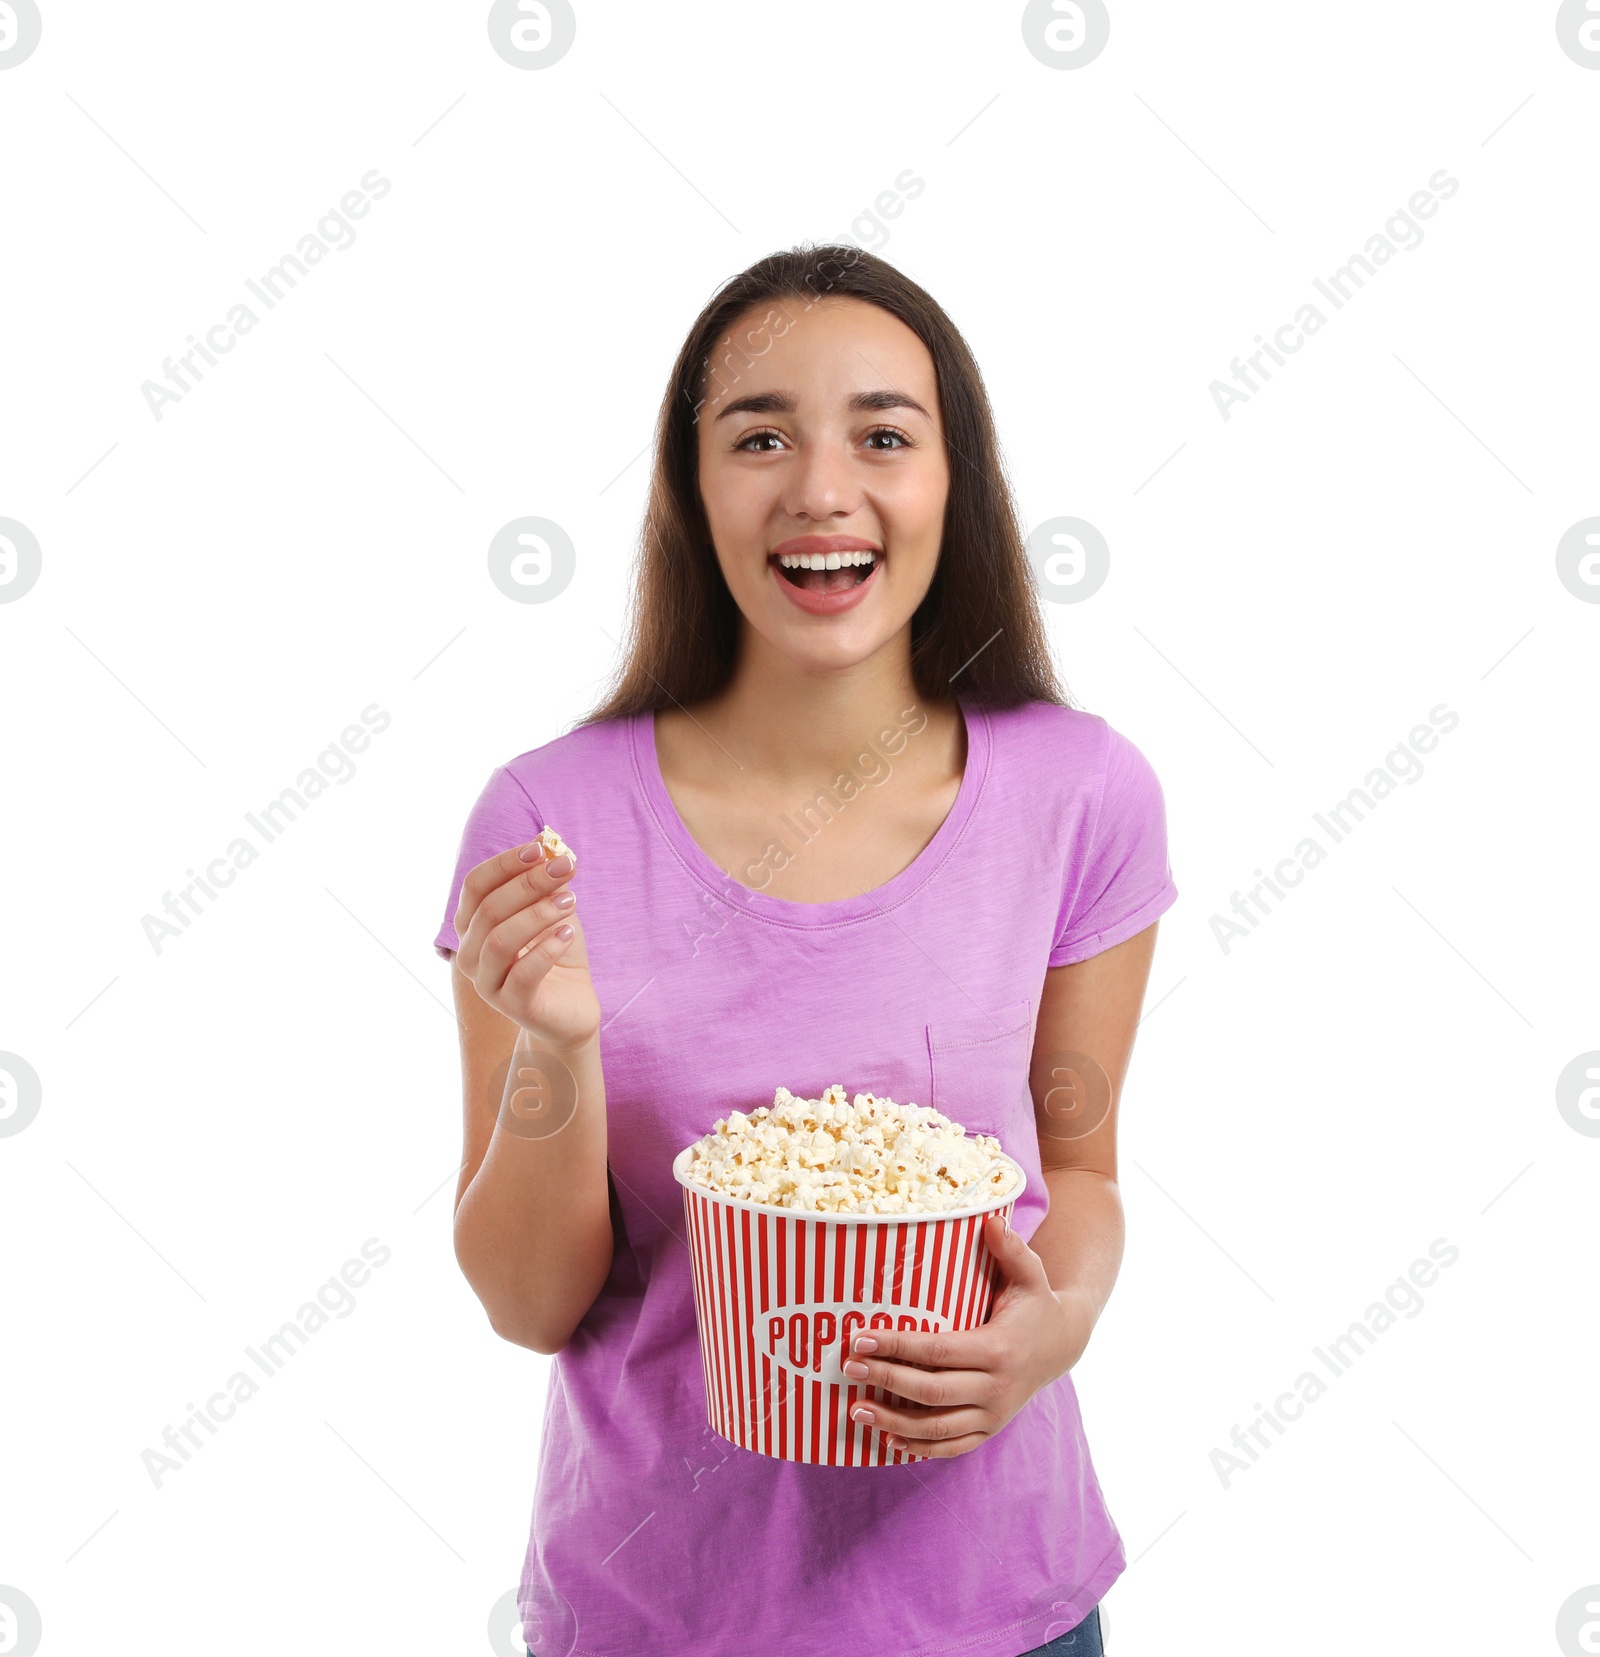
1082, 1641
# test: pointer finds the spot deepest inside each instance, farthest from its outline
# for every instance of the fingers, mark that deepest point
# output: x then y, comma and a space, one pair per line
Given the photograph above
979, 1348
514, 988
938, 1449
1017, 1258
499, 888
926, 1433
522, 936
484, 877
938, 1388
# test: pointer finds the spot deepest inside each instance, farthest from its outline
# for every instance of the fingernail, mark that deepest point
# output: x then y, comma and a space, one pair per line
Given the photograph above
532, 852
865, 1343
862, 1414
897, 1444
856, 1370
564, 900
563, 932
559, 866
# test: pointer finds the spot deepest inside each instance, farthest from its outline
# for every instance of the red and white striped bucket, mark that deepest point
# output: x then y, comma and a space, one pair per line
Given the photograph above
781, 1293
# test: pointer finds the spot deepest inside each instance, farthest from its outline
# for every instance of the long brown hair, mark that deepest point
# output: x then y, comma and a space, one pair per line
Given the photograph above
978, 631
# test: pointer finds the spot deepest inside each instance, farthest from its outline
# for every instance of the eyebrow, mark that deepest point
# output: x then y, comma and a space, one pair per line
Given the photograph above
862, 402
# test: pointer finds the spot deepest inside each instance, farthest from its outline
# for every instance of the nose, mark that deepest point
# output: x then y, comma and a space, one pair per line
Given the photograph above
822, 482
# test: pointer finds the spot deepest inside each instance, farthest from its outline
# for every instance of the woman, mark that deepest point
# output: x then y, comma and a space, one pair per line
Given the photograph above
836, 824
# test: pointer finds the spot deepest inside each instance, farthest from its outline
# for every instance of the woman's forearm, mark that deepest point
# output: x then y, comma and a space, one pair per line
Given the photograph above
1081, 1238
533, 1230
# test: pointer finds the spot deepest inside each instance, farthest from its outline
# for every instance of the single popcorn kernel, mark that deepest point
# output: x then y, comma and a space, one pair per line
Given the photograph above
555, 846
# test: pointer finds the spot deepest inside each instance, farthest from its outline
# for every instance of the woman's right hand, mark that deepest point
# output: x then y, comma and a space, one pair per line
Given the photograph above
509, 921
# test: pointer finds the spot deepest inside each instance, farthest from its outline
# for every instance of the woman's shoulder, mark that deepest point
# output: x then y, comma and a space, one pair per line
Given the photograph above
1051, 739
575, 782
590, 754
1049, 729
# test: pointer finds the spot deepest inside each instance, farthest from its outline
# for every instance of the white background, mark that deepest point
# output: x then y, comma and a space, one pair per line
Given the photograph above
1291, 590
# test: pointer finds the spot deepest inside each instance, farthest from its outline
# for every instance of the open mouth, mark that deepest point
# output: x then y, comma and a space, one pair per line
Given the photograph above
826, 572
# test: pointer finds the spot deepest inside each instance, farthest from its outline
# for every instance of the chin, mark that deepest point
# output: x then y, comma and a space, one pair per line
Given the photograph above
831, 655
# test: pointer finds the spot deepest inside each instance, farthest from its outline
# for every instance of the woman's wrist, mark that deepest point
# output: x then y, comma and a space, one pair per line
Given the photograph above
570, 1049
549, 1083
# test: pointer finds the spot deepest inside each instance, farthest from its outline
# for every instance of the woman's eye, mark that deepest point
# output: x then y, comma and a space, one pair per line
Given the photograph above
754, 442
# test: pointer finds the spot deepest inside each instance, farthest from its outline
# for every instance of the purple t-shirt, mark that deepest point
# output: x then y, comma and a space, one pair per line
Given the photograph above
651, 1533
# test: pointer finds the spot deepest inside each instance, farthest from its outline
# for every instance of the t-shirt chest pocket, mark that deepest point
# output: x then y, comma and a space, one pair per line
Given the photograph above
978, 1071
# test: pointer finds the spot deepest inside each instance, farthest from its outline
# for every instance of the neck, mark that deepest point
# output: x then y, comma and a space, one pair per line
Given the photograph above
785, 722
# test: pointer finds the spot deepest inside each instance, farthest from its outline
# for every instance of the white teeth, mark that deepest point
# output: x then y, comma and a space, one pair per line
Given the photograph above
824, 560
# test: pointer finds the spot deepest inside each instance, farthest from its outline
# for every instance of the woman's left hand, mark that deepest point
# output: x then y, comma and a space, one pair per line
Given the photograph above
977, 1379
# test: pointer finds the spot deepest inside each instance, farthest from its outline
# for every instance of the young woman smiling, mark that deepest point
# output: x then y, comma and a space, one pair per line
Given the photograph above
831, 566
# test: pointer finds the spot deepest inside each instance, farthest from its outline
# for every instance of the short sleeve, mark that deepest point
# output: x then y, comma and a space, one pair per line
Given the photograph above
1121, 882
503, 816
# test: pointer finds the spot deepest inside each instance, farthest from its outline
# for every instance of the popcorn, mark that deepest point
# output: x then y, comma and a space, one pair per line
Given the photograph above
555, 846
837, 1156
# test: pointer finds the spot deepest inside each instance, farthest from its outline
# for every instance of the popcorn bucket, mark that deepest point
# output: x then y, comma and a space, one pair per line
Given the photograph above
780, 1293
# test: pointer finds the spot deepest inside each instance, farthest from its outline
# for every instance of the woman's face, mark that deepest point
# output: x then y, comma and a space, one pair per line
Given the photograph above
825, 449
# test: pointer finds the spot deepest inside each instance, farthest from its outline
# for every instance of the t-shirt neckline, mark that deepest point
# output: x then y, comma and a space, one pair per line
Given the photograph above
838, 911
